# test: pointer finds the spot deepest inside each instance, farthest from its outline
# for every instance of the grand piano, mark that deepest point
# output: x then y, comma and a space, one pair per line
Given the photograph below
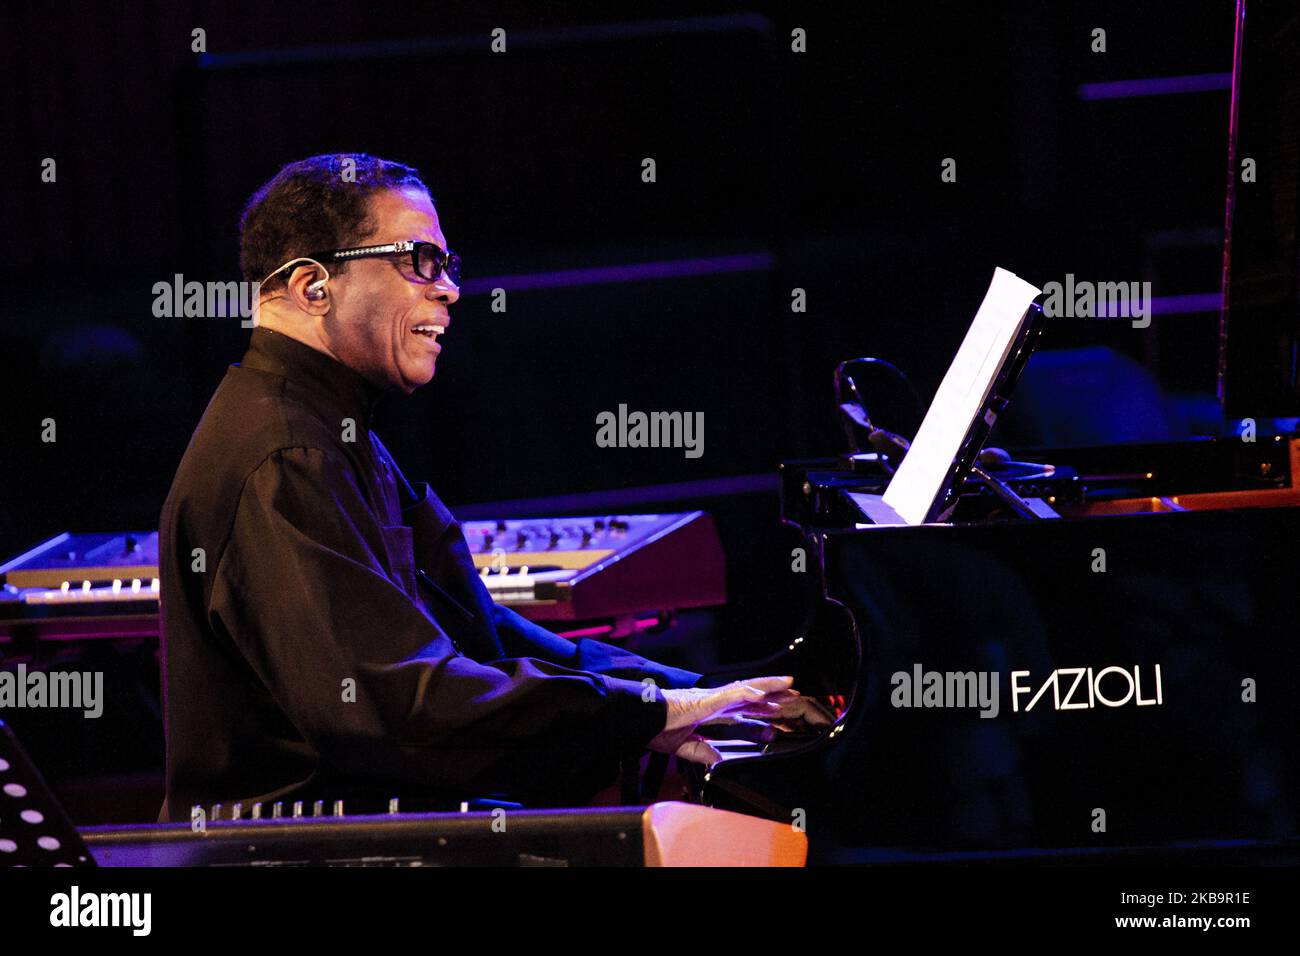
1145, 647
1145, 635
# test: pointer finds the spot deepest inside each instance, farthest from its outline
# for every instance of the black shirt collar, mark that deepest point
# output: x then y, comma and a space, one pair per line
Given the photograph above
328, 383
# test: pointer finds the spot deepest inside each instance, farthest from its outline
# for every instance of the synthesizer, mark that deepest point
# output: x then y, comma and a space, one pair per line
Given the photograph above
582, 568
572, 569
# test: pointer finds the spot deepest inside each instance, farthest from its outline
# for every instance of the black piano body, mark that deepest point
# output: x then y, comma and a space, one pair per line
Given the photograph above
1146, 655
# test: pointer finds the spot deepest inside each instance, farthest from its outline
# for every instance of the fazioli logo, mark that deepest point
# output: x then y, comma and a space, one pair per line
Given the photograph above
1088, 688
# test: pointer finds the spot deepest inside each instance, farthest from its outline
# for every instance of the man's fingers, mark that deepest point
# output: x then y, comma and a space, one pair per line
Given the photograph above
759, 689
760, 697
699, 750
807, 710
769, 685
739, 703
737, 728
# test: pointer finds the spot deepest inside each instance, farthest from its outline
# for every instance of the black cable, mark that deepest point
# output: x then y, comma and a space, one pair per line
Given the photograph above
889, 367
848, 416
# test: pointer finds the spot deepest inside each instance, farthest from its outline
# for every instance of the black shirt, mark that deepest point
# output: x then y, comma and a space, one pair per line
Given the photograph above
325, 632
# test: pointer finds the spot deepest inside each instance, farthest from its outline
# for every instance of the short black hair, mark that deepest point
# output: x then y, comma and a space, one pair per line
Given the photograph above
322, 202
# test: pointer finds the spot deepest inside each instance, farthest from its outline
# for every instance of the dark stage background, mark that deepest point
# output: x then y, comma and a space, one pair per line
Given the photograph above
776, 170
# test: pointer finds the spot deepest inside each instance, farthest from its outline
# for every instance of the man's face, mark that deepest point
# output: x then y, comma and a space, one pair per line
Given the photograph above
379, 302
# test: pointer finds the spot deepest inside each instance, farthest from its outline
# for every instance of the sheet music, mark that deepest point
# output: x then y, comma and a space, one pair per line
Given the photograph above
960, 397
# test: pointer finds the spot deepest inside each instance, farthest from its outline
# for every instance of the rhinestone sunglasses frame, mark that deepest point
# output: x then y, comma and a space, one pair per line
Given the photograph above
447, 261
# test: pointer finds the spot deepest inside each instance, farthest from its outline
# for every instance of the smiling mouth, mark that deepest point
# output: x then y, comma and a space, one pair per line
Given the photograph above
429, 331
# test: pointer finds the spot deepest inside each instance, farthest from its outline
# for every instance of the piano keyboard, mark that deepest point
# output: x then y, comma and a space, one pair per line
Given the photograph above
584, 568
118, 590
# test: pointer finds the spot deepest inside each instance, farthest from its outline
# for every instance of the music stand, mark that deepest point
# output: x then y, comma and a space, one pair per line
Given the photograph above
34, 830
941, 459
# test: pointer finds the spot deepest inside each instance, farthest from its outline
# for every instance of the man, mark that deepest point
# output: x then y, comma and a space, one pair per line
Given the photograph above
326, 635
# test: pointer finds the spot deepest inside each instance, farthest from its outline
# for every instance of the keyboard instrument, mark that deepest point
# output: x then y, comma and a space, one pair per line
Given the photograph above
566, 569
1177, 564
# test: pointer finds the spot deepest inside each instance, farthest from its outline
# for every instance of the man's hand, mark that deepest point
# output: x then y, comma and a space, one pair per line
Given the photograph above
735, 703
802, 714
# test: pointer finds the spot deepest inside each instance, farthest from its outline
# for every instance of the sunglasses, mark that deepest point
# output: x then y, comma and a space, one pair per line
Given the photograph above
427, 259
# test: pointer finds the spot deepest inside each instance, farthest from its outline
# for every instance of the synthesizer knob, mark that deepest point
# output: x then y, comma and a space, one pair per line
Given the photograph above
488, 538
237, 812
277, 810
215, 815
555, 538
501, 525
586, 537
338, 808
392, 805
297, 809
318, 808
521, 540
257, 811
